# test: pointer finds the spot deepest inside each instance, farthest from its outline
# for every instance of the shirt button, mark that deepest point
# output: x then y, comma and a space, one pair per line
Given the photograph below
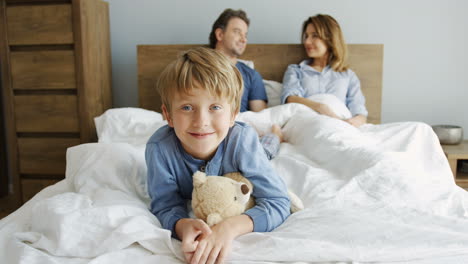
202, 168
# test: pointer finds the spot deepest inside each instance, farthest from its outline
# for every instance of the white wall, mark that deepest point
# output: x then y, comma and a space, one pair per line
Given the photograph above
425, 44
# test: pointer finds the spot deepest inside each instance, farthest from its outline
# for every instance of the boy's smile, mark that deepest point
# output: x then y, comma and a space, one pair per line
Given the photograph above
201, 121
201, 135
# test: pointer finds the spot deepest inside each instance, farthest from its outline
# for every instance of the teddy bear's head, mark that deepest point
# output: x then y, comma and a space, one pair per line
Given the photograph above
216, 197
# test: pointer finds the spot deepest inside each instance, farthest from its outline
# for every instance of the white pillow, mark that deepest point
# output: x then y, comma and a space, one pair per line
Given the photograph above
273, 90
115, 166
334, 103
128, 125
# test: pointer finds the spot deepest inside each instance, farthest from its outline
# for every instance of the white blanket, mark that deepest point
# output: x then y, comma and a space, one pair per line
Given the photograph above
380, 193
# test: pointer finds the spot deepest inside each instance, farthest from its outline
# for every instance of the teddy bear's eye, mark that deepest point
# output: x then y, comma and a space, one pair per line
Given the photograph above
235, 198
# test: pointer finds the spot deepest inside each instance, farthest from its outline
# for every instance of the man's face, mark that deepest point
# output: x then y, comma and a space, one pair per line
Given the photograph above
233, 40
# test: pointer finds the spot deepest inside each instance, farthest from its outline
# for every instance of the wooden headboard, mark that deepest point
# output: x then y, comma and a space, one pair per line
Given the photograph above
271, 61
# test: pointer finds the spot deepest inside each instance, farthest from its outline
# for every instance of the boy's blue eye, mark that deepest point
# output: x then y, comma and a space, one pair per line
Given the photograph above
186, 108
216, 107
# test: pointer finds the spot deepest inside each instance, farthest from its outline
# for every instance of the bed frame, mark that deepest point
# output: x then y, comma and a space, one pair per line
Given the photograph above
271, 61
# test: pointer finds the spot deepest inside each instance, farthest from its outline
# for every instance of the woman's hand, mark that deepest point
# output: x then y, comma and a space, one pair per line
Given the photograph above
320, 108
325, 110
357, 120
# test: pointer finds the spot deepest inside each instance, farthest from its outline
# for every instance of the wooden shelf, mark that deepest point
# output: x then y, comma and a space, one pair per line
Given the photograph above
462, 179
454, 154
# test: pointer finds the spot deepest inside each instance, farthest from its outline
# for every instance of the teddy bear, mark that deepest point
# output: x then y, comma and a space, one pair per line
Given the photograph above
215, 198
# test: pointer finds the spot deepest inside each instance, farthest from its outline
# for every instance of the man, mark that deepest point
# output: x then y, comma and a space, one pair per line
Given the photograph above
229, 36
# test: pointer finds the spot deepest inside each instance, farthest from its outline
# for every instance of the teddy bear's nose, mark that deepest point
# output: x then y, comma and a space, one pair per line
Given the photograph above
244, 189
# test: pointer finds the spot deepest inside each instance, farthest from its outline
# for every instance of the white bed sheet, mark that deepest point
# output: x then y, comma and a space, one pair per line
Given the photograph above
381, 193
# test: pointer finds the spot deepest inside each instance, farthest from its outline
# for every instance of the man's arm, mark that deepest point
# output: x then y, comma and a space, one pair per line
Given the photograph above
257, 105
257, 95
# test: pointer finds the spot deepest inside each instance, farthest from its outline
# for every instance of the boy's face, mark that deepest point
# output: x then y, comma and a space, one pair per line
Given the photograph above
200, 120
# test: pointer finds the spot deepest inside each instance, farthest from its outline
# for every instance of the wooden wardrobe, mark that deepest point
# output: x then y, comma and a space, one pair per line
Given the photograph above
56, 77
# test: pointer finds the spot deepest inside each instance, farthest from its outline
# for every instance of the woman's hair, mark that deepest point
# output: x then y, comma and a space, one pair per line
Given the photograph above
223, 21
330, 32
202, 68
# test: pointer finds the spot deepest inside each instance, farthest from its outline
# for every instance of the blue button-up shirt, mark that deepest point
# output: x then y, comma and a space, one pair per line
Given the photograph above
170, 171
254, 89
304, 81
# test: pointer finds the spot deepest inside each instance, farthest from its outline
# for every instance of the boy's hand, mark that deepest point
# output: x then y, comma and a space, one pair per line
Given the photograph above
215, 247
190, 231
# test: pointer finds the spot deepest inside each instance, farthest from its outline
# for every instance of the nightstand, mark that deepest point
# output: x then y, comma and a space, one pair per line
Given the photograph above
454, 154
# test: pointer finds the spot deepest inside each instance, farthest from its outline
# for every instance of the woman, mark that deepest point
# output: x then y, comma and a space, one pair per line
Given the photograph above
325, 72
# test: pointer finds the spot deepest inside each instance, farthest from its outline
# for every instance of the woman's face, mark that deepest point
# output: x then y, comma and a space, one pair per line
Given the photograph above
315, 47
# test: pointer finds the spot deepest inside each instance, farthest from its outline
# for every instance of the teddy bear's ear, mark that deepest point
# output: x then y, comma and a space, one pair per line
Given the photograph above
213, 219
199, 178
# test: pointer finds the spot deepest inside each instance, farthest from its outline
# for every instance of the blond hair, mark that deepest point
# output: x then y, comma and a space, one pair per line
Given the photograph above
330, 32
202, 68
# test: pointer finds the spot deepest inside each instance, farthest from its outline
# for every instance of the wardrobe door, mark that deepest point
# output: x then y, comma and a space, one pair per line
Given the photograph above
3, 156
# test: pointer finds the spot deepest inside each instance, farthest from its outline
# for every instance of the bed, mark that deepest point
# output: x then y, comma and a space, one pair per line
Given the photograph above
383, 193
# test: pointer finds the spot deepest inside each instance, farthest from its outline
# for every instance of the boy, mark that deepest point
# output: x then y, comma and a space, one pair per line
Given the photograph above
201, 93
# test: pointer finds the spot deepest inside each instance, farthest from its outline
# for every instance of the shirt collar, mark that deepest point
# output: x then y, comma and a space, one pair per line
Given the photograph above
304, 65
214, 163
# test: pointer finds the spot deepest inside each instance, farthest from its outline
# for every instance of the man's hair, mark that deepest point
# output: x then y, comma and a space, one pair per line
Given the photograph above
223, 21
202, 68
330, 32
